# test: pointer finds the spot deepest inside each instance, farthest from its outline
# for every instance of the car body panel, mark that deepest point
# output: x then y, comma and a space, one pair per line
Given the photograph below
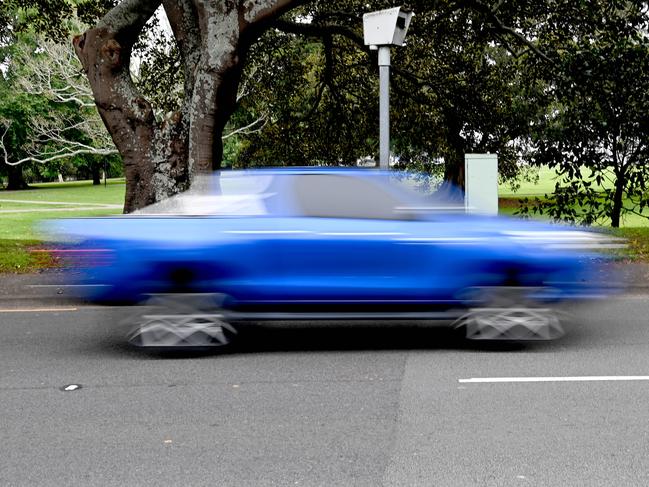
269, 254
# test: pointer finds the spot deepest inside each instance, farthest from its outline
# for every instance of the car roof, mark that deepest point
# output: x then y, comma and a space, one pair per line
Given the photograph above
282, 170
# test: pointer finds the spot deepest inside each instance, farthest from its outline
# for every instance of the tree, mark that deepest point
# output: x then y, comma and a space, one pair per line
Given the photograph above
213, 40
595, 132
69, 125
48, 117
474, 75
456, 89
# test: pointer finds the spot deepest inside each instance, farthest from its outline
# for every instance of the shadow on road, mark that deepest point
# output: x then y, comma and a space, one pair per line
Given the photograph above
329, 336
346, 337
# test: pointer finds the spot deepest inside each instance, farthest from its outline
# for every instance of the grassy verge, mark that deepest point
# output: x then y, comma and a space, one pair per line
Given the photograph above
17, 256
637, 239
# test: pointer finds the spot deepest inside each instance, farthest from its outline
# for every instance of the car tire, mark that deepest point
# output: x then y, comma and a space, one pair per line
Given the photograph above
509, 314
181, 321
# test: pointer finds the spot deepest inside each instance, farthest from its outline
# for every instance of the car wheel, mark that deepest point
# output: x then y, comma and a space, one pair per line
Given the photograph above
508, 313
181, 321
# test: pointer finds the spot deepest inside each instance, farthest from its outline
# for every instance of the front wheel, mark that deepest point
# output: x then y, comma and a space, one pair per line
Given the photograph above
508, 313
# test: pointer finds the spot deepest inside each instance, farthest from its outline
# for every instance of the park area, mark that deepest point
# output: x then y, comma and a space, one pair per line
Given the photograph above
21, 211
23, 250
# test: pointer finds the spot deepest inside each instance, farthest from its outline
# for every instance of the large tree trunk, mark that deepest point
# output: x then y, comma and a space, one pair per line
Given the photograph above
147, 148
96, 174
453, 184
216, 83
213, 38
616, 211
15, 178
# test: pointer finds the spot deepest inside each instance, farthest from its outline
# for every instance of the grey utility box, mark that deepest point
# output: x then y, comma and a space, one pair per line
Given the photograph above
386, 27
481, 183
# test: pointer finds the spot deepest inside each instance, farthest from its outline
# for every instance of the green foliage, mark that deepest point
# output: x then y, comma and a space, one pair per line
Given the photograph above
454, 90
559, 83
159, 75
314, 102
42, 113
594, 132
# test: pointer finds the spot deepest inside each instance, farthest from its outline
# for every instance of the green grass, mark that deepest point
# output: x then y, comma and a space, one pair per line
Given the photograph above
509, 200
11, 205
547, 178
21, 256
15, 256
637, 241
19, 232
71, 192
545, 185
634, 228
24, 226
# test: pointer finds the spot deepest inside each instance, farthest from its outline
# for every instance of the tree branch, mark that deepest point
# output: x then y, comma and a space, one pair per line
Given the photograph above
247, 129
57, 155
498, 24
183, 20
127, 19
320, 31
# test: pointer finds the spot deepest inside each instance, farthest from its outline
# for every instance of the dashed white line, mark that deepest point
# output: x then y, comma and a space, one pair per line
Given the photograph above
586, 378
36, 310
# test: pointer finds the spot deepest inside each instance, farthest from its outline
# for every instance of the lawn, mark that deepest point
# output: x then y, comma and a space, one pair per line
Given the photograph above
634, 228
545, 185
79, 192
509, 200
21, 211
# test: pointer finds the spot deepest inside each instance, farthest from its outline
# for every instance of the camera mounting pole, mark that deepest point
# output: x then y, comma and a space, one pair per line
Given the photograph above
382, 29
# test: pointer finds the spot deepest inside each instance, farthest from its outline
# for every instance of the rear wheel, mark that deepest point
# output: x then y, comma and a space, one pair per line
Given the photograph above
181, 321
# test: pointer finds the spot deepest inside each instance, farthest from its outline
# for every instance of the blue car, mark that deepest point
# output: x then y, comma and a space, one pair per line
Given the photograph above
326, 244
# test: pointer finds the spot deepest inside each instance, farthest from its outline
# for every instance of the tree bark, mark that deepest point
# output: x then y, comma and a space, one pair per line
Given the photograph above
152, 167
218, 74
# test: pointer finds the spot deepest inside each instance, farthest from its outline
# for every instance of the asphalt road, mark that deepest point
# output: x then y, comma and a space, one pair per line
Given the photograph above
330, 406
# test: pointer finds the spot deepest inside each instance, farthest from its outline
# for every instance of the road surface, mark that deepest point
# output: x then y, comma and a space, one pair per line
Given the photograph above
325, 406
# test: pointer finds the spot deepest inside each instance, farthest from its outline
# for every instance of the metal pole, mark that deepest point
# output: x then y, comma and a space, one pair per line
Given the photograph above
384, 107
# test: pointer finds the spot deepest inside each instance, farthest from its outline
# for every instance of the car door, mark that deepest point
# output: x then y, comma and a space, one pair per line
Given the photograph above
352, 244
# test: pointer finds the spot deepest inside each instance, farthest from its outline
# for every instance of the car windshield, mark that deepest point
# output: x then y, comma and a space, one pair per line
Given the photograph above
225, 194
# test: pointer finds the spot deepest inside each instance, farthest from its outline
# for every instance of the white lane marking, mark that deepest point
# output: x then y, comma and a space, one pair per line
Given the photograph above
67, 285
36, 310
586, 378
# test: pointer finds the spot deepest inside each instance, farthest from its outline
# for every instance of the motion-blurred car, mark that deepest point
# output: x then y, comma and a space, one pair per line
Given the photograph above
334, 244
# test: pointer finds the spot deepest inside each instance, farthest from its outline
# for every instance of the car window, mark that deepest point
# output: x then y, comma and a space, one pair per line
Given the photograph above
334, 196
224, 195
